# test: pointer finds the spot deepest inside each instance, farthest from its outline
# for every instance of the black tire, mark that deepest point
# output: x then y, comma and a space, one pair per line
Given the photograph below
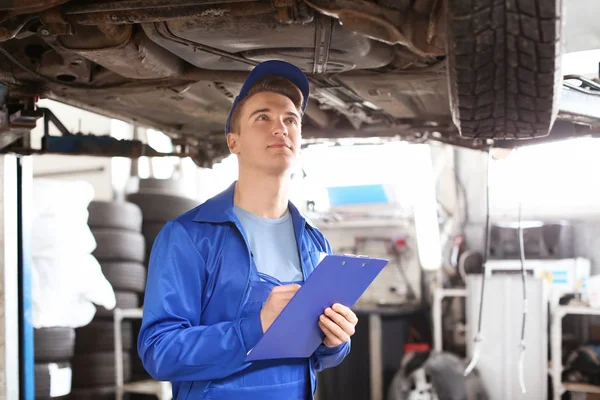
126, 276
54, 344
98, 369
115, 215
118, 245
504, 66
124, 300
43, 378
158, 207
99, 336
150, 230
96, 393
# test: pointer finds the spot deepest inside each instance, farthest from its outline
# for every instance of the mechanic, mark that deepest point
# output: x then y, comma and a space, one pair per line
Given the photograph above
221, 273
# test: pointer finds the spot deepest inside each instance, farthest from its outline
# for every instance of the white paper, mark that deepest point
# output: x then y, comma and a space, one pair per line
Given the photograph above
322, 255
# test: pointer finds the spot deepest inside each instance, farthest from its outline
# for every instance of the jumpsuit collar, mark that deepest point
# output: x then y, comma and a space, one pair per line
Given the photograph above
219, 209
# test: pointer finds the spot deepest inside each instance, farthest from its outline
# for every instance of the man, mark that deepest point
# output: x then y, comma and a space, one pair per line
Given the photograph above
220, 274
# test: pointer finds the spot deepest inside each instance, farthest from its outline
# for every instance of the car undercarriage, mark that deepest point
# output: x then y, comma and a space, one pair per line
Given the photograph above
468, 73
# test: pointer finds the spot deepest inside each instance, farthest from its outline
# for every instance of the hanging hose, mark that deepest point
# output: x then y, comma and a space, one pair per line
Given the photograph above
478, 337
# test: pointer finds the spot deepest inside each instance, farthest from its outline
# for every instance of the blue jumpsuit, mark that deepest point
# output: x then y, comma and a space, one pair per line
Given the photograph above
202, 310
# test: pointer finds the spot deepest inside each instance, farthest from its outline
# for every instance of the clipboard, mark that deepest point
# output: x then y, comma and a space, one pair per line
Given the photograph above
295, 333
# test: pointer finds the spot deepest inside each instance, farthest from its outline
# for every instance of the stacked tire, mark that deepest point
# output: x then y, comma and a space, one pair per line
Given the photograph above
120, 250
53, 349
158, 207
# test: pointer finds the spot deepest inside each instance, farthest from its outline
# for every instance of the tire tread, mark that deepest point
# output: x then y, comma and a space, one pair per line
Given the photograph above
503, 65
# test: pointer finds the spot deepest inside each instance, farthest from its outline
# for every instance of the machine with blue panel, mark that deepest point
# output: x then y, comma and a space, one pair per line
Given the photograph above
371, 221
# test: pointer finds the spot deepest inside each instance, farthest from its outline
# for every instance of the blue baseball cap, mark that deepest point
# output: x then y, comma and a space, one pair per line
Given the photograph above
272, 68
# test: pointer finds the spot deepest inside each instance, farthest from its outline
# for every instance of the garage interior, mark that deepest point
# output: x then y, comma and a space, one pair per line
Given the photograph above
492, 290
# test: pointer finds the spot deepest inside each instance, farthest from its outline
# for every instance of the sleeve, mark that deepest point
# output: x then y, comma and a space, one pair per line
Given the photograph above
329, 357
172, 345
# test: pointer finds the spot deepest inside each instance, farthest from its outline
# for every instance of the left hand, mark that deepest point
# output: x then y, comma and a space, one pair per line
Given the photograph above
337, 323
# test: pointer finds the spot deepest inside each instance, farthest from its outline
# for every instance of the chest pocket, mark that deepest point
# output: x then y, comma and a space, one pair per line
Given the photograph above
257, 296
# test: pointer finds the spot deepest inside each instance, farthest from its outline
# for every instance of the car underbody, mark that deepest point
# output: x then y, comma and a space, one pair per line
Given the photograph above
445, 70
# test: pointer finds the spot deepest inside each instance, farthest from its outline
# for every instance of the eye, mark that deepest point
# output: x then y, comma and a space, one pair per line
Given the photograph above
292, 120
262, 117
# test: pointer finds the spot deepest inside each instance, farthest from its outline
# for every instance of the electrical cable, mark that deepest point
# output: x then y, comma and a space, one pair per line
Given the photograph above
461, 195
478, 337
521, 362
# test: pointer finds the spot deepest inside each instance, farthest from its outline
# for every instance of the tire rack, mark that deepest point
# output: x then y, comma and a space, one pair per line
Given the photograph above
162, 390
120, 251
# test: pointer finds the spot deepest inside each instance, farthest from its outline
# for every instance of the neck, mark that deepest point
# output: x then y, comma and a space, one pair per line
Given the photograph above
265, 196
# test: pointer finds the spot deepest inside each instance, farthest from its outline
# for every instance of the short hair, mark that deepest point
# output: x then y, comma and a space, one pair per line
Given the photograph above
275, 84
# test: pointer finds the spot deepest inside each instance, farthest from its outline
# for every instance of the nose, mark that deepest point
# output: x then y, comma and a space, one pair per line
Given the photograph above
280, 128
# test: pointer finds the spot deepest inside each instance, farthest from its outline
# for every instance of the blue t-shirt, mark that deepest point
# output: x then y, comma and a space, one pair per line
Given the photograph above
273, 245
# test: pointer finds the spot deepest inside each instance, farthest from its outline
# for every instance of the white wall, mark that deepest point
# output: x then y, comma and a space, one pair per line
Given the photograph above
555, 182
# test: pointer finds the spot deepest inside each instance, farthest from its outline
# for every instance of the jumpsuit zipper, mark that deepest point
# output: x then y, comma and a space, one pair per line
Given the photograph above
252, 265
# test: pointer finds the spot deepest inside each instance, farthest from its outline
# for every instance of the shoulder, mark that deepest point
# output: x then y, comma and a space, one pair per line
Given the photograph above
189, 225
187, 219
309, 221
310, 226
317, 236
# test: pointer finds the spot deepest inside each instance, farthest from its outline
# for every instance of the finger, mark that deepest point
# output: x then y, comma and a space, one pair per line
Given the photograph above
346, 312
326, 331
335, 333
334, 328
331, 339
340, 321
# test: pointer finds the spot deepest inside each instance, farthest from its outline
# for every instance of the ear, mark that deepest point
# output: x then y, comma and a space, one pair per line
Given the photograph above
232, 143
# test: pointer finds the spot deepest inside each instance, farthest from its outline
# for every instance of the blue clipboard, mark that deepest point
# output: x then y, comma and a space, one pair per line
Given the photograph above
295, 333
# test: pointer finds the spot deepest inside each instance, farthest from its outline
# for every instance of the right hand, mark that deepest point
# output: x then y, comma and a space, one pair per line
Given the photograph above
279, 297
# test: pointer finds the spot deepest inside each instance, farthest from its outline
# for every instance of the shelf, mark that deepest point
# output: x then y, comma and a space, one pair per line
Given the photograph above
578, 310
133, 313
146, 387
581, 387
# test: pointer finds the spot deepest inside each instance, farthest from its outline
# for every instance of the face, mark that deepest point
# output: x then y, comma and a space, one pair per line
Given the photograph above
270, 134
